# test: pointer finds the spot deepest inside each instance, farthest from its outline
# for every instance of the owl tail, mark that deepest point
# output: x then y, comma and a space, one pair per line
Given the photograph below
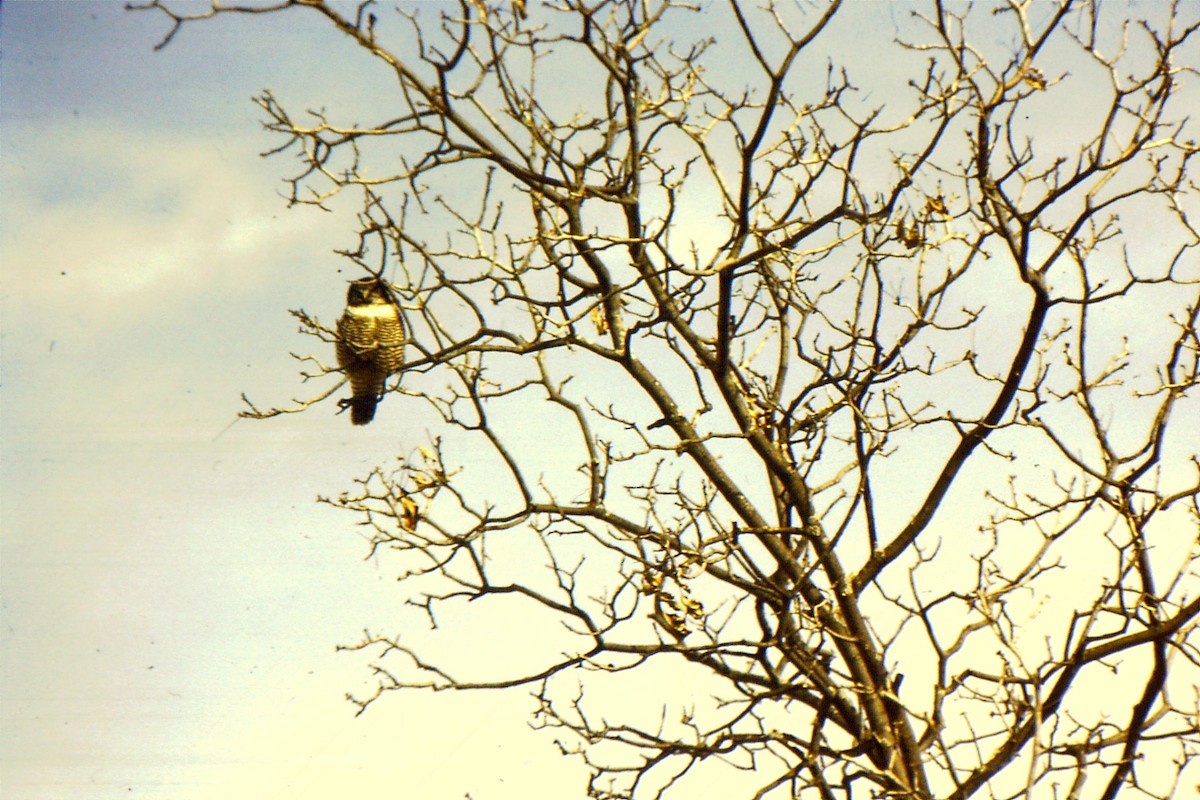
362, 409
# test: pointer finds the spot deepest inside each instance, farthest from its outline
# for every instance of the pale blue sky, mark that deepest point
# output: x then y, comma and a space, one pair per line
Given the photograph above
171, 593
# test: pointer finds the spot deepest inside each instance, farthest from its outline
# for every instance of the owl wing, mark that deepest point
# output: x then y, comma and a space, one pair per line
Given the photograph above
355, 342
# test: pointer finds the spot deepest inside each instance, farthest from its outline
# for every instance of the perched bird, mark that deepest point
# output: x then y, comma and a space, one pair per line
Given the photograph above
370, 345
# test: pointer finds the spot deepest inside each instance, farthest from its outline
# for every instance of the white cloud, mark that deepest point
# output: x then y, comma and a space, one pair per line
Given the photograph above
122, 212
145, 273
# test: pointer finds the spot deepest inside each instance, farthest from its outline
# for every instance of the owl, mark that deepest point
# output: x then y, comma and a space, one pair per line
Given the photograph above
370, 345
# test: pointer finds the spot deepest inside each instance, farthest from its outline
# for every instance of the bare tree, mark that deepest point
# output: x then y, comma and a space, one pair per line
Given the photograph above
864, 397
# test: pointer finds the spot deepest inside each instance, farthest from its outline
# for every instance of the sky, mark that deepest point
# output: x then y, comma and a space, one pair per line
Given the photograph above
172, 594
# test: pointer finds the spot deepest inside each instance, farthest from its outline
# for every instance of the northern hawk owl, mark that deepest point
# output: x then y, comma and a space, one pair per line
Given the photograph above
370, 345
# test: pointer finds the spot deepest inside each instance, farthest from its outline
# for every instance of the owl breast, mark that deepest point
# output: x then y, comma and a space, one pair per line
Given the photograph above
371, 335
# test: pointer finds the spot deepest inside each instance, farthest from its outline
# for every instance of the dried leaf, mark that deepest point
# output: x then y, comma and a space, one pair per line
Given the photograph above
910, 237
600, 320
935, 205
410, 515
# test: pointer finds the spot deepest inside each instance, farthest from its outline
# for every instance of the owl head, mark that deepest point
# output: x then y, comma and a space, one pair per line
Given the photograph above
367, 292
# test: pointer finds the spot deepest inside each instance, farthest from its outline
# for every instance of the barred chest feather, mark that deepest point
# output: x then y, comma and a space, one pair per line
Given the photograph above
372, 335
